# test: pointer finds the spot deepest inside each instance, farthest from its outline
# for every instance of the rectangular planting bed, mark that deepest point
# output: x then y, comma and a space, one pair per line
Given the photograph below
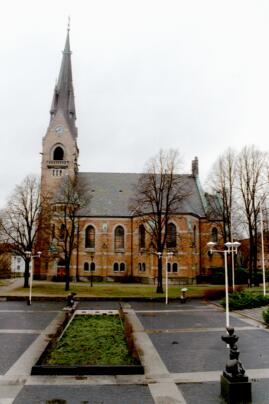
93, 343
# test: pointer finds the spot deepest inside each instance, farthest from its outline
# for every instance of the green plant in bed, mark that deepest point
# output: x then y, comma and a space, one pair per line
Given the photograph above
92, 340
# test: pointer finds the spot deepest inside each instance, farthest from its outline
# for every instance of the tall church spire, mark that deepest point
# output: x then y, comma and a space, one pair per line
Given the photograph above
63, 98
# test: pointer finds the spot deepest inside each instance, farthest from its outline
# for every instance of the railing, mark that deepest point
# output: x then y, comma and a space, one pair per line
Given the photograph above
57, 163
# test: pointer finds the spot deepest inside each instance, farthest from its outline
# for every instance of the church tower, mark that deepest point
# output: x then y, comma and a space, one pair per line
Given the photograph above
60, 151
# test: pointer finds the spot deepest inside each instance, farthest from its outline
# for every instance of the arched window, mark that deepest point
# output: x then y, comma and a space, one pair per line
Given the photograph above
142, 267
214, 235
58, 153
174, 267
171, 241
90, 237
142, 236
119, 238
115, 267
86, 266
122, 267
92, 266
168, 267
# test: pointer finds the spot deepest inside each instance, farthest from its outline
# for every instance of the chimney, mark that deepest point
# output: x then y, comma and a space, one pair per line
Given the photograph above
195, 167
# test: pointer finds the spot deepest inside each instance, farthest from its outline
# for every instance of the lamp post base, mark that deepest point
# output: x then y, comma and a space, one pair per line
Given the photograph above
235, 391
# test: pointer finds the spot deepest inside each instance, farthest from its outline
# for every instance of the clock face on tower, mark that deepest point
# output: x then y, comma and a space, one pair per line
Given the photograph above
59, 130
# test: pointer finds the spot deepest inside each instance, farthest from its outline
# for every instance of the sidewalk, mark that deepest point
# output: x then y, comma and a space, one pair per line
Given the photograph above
253, 314
13, 284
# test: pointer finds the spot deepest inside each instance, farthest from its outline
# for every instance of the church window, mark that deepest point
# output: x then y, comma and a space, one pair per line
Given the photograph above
142, 267
142, 236
171, 241
92, 266
57, 173
174, 267
214, 235
90, 237
115, 267
119, 238
58, 153
119, 267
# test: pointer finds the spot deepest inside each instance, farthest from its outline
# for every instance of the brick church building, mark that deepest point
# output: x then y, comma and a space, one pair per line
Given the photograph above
112, 243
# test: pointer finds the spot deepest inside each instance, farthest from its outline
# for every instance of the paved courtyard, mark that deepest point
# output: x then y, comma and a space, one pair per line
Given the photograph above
181, 350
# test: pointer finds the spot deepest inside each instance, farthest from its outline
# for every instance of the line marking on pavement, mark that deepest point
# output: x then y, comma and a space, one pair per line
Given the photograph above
29, 311
20, 331
176, 310
201, 329
165, 393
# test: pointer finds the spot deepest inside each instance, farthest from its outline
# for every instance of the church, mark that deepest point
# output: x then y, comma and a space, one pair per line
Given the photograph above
112, 244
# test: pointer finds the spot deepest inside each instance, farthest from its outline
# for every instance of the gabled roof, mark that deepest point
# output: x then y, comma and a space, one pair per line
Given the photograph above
111, 194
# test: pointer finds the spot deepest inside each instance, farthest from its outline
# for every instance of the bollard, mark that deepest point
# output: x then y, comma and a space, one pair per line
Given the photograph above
183, 296
70, 299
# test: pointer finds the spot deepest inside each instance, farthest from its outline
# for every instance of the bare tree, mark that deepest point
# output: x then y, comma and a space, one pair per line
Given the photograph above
20, 222
222, 182
157, 197
73, 197
252, 183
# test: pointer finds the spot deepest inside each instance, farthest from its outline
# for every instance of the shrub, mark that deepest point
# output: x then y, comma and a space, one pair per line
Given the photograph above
246, 300
265, 315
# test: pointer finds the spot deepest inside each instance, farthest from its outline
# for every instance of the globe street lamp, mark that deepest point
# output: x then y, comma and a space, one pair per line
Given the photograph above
30, 256
231, 247
235, 385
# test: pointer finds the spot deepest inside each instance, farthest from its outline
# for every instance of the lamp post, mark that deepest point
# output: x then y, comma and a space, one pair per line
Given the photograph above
231, 247
263, 268
168, 255
235, 385
30, 256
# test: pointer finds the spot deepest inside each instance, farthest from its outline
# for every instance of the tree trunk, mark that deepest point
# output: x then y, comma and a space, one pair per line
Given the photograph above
160, 277
67, 275
26, 273
250, 260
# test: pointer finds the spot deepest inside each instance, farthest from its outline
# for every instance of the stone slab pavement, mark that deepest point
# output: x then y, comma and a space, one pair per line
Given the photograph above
180, 347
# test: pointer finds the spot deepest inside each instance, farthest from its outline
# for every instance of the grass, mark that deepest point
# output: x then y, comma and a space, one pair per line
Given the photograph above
92, 340
119, 290
113, 289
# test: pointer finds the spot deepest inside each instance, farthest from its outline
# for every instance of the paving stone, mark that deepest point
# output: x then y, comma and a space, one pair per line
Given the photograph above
200, 319
26, 320
35, 306
84, 395
196, 352
209, 393
12, 347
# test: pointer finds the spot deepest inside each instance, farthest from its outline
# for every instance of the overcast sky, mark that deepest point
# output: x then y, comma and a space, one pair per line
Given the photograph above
148, 74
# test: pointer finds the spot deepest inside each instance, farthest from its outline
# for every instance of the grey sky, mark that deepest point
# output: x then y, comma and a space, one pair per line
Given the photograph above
148, 74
